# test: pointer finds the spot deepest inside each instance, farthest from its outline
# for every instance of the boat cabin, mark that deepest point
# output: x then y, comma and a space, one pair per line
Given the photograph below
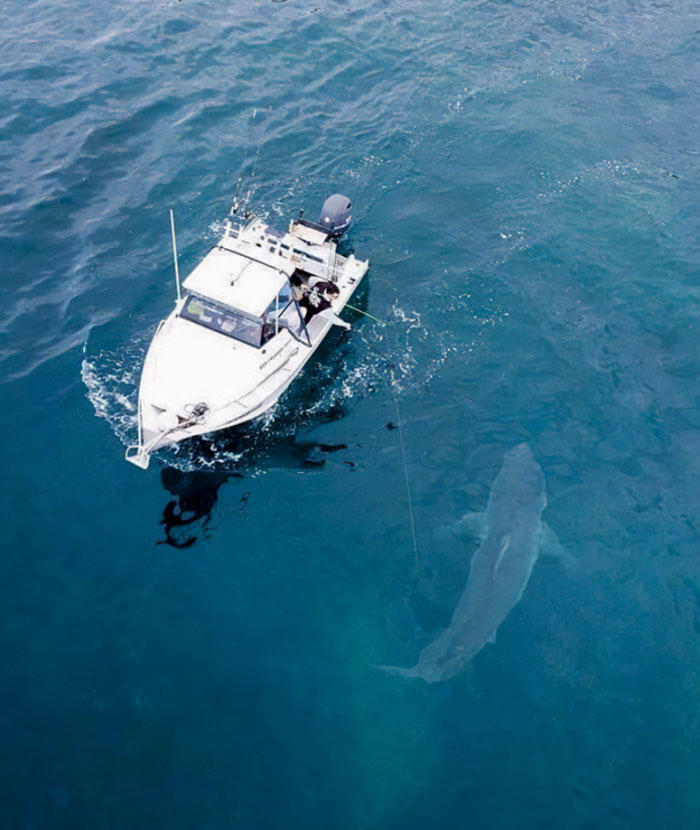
242, 298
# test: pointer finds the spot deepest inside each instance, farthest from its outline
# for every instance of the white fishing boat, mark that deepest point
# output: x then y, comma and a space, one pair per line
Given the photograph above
245, 322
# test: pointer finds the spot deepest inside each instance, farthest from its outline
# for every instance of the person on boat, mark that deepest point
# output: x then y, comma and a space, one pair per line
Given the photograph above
313, 297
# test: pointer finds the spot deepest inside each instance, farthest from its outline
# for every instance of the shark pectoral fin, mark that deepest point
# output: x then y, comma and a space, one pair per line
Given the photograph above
472, 522
550, 546
475, 522
492, 638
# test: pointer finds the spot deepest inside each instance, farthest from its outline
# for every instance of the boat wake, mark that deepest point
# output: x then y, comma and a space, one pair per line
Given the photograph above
112, 381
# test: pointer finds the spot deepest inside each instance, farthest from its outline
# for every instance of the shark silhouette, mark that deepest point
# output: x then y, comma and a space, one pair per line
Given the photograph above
512, 536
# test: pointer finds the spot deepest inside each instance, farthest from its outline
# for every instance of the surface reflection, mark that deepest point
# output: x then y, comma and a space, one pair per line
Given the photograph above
188, 515
195, 509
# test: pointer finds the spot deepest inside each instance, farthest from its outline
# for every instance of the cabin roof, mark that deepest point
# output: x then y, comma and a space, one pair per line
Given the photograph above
236, 281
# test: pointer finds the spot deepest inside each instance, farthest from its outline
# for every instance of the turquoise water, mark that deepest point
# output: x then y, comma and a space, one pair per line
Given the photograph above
193, 646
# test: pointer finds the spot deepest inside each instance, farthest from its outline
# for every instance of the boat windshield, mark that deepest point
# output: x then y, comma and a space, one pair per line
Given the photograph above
224, 320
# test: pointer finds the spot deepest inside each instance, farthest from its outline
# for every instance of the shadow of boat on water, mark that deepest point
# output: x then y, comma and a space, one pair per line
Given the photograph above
189, 514
195, 509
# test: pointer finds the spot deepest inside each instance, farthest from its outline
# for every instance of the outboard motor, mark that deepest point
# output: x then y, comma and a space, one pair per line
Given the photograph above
335, 215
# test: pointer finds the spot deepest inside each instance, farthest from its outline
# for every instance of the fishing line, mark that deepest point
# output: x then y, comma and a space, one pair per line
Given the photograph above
402, 445
365, 313
405, 472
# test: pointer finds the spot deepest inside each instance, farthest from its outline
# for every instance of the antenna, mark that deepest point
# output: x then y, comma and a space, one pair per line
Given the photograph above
177, 273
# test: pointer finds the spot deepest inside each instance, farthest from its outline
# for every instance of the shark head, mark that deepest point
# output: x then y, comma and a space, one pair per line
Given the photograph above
519, 456
523, 477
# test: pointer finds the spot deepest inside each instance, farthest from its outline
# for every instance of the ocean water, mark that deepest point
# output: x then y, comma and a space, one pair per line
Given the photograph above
193, 646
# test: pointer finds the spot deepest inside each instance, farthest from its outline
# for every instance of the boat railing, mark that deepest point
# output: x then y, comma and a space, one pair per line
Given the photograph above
270, 247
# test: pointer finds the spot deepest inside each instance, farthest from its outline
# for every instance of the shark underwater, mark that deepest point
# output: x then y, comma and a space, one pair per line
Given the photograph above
512, 536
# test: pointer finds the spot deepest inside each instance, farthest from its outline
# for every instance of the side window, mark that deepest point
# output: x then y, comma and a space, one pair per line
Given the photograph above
285, 294
284, 313
277, 305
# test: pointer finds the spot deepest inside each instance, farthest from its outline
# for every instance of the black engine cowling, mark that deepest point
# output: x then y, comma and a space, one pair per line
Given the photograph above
335, 215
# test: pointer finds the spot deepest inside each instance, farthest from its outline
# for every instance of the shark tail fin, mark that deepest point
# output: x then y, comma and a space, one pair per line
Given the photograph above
397, 670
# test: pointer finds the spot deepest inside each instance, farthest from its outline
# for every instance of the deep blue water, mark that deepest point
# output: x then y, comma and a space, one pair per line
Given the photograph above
193, 646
